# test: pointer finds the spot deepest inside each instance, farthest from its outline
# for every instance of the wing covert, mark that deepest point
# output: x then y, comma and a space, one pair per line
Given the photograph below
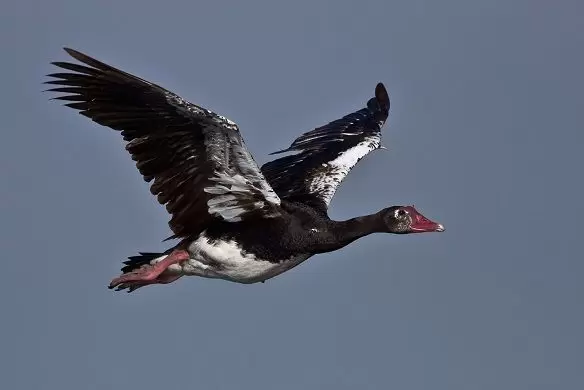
325, 155
196, 160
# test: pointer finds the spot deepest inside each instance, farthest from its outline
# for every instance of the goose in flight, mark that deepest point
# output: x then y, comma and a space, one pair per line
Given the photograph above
232, 220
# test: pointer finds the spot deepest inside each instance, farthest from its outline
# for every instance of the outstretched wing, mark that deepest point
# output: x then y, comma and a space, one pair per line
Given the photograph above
326, 155
197, 160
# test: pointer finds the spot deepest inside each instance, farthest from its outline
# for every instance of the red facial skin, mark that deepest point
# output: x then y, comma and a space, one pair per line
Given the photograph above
421, 224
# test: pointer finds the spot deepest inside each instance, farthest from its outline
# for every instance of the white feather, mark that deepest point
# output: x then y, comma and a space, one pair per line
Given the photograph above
233, 195
326, 184
226, 260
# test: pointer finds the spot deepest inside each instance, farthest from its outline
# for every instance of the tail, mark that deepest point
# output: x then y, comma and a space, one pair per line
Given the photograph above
134, 263
141, 259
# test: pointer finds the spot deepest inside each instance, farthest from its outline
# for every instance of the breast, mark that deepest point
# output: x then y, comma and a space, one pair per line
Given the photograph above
226, 259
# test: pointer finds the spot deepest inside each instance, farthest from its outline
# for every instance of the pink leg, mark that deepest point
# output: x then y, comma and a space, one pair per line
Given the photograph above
162, 279
150, 274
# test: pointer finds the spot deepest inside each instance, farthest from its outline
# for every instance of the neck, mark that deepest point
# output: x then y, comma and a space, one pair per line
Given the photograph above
345, 232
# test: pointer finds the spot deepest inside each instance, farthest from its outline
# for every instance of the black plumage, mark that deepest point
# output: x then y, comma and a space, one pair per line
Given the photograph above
193, 156
311, 175
236, 221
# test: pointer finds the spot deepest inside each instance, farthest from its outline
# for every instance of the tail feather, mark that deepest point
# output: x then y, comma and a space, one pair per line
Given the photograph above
141, 259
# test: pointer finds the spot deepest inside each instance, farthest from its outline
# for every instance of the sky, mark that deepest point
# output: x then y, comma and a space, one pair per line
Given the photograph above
485, 136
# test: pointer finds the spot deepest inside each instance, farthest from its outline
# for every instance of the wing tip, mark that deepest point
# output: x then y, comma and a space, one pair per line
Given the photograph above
87, 60
72, 52
382, 96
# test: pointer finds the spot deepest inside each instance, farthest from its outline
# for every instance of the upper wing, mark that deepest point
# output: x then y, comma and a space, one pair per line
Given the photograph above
327, 154
197, 159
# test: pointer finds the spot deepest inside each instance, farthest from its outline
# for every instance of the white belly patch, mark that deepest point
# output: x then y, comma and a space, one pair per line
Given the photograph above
226, 260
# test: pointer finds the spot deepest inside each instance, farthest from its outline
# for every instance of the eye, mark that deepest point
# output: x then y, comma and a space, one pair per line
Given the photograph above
400, 212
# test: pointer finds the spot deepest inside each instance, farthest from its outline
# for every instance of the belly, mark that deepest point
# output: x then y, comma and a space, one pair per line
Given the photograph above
227, 260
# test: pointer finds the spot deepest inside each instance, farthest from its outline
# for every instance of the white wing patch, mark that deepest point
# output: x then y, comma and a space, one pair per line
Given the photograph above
233, 196
238, 185
326, 181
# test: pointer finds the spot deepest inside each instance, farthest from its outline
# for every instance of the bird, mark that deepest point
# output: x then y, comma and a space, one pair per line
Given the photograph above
233, 220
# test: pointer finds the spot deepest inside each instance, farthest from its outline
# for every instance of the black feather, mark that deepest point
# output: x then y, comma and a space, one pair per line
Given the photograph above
176, 145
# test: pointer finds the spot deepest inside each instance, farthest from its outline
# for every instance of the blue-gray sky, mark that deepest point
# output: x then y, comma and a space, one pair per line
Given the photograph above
485, 135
